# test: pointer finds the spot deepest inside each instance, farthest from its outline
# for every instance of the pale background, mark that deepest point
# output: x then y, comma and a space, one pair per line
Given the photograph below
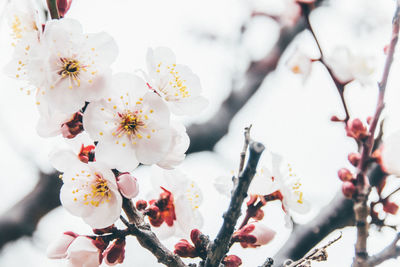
290, 117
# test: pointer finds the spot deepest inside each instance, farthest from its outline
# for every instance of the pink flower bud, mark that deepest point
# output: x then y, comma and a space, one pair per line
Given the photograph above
253, 235
115, 253
354, 158
335, 119
73, 127
348, 189
390, 207
345, 175
127, 185
356, 129
232, 261
58, 249
63, 7
184, 249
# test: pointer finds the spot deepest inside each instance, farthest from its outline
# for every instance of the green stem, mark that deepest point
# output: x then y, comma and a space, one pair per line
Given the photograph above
53, 9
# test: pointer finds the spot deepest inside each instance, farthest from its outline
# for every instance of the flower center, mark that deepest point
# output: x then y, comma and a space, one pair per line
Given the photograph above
129, 123
99, 193
69, 68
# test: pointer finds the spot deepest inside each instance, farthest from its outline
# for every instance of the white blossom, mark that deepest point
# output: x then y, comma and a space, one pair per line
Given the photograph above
89, 191
132, 125
175, 83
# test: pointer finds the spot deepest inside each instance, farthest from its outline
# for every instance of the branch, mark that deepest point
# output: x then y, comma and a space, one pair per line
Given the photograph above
363, 188
53, 9
220, 246
147, 238
390, 252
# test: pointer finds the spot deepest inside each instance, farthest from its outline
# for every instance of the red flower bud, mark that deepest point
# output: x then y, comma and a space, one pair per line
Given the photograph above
354, 158
335, 119
73, 127
345, 175
115, 253
390, 207
253, 235
63, 7
141, 204
184, 249
195, 237
86, 154
232, 261
103, 231
356, 129
348, 189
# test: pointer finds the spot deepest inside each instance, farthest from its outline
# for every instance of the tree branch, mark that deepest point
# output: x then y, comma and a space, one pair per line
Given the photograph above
220, 246
390, 252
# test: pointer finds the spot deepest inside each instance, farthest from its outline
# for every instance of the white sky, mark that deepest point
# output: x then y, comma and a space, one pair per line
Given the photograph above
289, 117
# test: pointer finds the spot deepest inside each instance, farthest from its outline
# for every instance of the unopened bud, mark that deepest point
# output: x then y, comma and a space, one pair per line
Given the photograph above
63, 7
335, 119
184, 249
115, 253
87, 153
390, 207
73, 127
356, 129
345, 175
369, 120
232, 261
128, 185
253, 235
259, 215
141, 204
354, 159
348, 189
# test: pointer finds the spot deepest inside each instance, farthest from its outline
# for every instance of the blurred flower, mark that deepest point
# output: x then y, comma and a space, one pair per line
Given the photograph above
253, 235
58, 249
75, 66
348, 66
89, 191
300, 63
390, 153
132, 125
175, 210
175, 83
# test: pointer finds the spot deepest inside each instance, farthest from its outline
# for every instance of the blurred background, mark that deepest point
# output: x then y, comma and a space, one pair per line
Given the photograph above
219, 40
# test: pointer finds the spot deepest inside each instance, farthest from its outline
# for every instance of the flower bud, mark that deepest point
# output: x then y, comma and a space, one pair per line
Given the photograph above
232, 261
335, 119
58, 249
354, 159
115, 253
348, 189
195, 235
86, 154
253, 235
356, 129
345, 175
73, 127
141, 204
184, 249
127, 185
63, 7
259, 215
390, 207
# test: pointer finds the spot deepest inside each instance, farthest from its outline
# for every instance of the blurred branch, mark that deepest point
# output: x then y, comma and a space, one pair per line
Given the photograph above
390, 252
22, 219
217, 250
336, 215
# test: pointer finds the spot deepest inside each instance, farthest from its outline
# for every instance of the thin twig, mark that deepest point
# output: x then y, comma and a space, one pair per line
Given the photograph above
244, 150
220, 246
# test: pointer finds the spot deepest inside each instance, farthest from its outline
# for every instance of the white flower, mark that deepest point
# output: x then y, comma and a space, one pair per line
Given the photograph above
300, 63
179, 144
348, 66
390, 153
83, 253
175, 83
58, 249
89, 191
131, 126
75, 66
180, 213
